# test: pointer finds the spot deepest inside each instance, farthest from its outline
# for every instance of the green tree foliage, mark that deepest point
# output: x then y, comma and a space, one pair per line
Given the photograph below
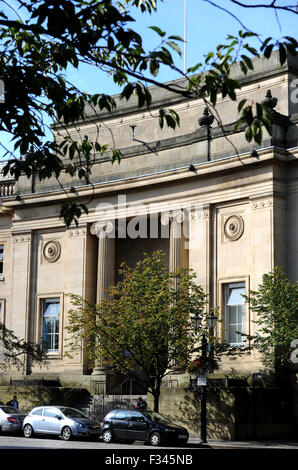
276, 306
40, 39
15, 352
143, 328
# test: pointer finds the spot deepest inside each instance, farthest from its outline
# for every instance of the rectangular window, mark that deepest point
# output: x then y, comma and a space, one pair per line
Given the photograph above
235, 313
1, 259
50, 326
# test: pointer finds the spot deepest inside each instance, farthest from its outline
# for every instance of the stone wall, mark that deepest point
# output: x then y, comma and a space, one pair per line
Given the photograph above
233, 413
31, 396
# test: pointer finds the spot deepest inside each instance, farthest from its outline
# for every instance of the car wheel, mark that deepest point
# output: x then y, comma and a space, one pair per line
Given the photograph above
28, 430
155, 439
66, 433
107, 436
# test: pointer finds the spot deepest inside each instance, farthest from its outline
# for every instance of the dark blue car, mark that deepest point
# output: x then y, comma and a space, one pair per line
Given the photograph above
141, 425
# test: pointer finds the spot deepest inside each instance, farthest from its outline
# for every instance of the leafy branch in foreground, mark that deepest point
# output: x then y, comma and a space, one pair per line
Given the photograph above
143, 328
15, 351
276, 306
48, 37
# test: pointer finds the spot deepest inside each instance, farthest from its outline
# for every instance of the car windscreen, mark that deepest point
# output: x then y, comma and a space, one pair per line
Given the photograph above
11, 410
72, 413
156, 417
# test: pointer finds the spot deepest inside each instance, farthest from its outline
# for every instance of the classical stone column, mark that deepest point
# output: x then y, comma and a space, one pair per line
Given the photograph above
175, 221
105, 272
176, 252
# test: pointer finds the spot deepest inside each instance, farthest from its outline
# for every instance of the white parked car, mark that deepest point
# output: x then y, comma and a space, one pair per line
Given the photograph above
60, 420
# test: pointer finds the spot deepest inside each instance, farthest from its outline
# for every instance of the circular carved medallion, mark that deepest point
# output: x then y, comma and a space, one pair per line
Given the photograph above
51, 251
234, 227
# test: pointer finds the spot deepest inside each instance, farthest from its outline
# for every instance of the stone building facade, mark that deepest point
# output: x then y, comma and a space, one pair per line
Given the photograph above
234, 204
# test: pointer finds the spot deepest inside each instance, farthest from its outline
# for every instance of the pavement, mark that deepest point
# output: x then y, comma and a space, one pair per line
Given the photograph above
220, 444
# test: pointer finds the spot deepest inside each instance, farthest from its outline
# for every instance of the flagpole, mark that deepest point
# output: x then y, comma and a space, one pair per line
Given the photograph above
185, 33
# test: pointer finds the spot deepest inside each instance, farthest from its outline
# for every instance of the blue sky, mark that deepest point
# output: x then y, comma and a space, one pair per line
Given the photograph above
207, 26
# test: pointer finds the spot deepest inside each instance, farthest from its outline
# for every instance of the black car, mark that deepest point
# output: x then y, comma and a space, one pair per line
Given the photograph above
141, 425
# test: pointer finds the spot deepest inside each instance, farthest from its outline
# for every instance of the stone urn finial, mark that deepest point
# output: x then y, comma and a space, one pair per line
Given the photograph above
207, 118
269, 100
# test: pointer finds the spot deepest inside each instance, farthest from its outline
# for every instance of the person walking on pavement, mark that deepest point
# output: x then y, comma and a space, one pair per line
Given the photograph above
14, 402
141, 404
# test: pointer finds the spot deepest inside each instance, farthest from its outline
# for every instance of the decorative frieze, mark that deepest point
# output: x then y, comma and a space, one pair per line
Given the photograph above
78, 232
276, 200
22, 238
200, 213
261, 203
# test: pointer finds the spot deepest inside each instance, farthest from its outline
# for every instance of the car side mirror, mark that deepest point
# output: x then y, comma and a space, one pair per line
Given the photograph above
59, 417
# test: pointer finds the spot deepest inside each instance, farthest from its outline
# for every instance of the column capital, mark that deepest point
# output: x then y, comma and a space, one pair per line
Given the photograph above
102, 228
176, 217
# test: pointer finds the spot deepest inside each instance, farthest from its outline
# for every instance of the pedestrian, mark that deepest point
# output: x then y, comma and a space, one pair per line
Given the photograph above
141, 404
14, 402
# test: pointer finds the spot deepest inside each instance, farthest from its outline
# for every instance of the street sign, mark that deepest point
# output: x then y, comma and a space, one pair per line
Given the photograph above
201, 380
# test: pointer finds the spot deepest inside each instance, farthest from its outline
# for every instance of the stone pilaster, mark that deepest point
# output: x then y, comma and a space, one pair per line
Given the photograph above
21, 278
105, 272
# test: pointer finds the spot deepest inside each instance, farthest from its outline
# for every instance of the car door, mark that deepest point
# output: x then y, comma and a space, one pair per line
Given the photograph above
50, 422
36, 417
120, 424
138, 426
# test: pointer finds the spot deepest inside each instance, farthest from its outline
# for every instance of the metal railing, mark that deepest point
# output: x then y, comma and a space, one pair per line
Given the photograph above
169, 383
101, 404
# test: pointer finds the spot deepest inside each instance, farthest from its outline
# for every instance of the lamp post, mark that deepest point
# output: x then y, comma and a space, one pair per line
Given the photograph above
206, 120
196, 323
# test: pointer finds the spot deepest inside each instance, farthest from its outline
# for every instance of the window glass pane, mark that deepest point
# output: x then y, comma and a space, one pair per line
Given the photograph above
122, 415
138, 417
1, 259
235, 313
37, 412
232, 335
73, 413
232, 315
51, 310
51, 412
235, 297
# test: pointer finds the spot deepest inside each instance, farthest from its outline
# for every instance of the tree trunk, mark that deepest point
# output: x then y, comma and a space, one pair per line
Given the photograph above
156, 395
